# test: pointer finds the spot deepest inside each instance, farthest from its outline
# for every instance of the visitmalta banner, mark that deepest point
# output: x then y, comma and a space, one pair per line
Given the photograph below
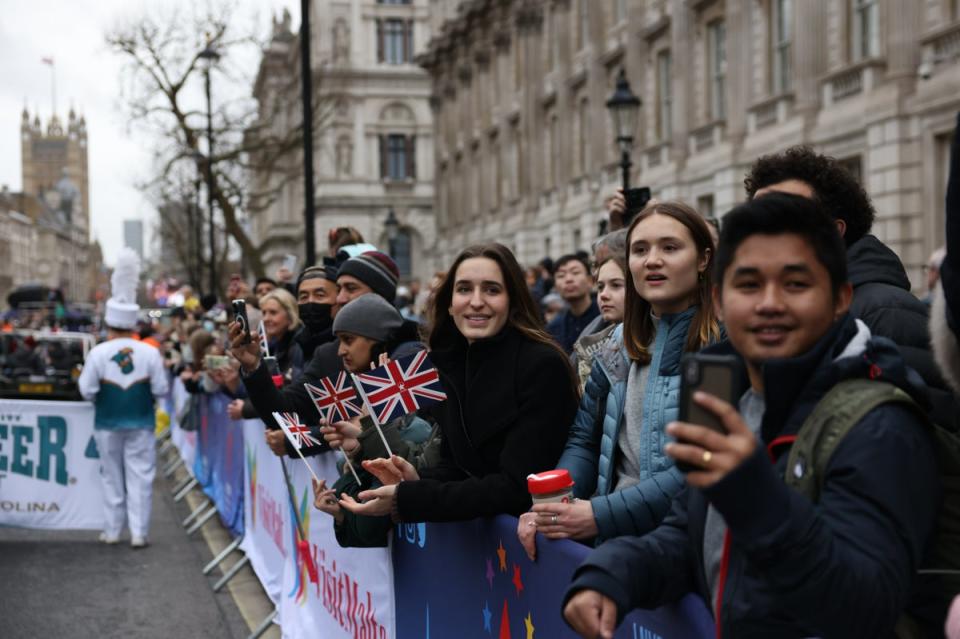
346, 592
266, 510
473, 579
49, 466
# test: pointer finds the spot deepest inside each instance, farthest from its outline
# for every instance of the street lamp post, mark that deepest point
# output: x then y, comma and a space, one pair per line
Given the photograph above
306, 89
211, 56
392, 226
624, 109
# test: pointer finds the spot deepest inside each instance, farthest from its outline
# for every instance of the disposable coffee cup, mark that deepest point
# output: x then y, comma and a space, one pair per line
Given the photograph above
273, 368
551, 487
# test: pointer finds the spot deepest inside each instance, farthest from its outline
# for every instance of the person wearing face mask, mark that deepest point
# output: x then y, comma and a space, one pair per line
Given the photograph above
317, 305
623, 480
316, 299
508, 388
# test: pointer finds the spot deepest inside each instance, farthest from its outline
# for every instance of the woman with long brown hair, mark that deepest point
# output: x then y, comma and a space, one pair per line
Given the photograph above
510, 394
623, 479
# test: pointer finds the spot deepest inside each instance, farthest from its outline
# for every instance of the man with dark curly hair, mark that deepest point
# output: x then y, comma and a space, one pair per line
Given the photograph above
881, 288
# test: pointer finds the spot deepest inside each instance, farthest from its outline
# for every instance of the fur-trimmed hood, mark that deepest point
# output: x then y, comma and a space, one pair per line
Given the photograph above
946, 347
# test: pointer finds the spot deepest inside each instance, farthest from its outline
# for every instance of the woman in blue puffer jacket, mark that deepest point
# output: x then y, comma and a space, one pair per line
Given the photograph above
623, 480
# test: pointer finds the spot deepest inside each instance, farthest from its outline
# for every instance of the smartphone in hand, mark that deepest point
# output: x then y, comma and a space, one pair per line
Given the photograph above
240, 312
718, 375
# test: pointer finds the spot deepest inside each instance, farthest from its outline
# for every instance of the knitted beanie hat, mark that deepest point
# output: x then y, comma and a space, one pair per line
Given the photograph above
370, 316
376, 270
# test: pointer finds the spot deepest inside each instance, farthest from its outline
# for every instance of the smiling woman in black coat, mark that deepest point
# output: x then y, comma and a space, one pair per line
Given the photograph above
511, 394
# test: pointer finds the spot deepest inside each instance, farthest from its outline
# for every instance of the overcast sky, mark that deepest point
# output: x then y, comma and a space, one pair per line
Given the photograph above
87, 77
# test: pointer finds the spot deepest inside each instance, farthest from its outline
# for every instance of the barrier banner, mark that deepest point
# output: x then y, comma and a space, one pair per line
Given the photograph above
49, 466
219, 462
351, 592
473, 579
185, 441
266, 512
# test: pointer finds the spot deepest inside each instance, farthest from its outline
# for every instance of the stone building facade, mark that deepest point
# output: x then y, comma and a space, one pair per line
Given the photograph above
373, 131
525, 146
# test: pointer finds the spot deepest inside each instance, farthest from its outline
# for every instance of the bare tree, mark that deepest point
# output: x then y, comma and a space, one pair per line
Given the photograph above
161, 94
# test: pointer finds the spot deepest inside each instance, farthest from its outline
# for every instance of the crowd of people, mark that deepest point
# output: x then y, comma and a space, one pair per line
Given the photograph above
578, 364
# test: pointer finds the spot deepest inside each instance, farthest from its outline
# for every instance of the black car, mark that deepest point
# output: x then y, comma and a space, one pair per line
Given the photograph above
42, 365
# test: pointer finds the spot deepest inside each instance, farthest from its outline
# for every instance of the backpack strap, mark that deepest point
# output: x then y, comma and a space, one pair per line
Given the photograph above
832, 418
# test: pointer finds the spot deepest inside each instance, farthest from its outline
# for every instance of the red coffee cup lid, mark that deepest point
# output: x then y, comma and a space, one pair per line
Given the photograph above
277, 380
550, 481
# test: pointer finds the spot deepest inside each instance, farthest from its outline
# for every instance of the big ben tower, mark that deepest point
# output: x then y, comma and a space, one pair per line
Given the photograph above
48, 156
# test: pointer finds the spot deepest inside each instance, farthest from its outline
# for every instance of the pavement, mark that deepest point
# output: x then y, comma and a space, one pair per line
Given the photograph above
67, 584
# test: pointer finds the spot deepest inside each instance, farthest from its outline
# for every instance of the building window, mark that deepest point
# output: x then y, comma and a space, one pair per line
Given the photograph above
664, 96
717, 42
398, 157
855, 167
394, 41
619, 11
583, 24
866, 29
705, 205
780, 20
583, 137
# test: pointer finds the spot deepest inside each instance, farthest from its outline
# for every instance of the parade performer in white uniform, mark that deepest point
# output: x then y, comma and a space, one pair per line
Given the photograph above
122, 376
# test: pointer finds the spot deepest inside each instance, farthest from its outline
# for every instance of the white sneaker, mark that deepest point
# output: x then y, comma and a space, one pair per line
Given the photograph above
138, 542
104, 538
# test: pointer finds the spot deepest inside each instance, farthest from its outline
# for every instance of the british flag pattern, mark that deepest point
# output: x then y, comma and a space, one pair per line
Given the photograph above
402, 386
298, 434
335, 401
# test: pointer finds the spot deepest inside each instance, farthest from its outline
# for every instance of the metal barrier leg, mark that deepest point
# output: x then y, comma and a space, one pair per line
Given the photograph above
165, 448
185, 487
171, 468
264, 625
197, 525
195, 513
223, 555
231, 573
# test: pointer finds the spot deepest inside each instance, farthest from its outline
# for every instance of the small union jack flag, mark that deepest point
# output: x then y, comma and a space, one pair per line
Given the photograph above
298, 434
401, 387
335, 401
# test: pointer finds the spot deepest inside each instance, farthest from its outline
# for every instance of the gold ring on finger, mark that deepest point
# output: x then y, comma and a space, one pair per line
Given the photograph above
707, 456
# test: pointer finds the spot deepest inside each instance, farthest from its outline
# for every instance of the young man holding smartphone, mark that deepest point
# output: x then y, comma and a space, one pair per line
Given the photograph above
769, 561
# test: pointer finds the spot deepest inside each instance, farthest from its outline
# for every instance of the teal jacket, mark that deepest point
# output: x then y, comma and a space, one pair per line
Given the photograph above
591, 450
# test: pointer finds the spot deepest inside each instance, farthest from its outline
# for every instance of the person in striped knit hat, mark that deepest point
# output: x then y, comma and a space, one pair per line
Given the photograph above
369, 272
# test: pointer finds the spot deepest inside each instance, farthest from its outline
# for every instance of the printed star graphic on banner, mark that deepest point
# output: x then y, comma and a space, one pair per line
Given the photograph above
505, 622
502, 554
528, 622
516, 579
490, 574
487, 617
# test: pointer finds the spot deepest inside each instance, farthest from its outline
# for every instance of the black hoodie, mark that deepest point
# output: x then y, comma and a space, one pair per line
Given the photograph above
882, 299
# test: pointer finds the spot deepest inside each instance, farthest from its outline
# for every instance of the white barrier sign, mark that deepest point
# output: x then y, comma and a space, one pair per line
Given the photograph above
266, 511
49, 466
351, 594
